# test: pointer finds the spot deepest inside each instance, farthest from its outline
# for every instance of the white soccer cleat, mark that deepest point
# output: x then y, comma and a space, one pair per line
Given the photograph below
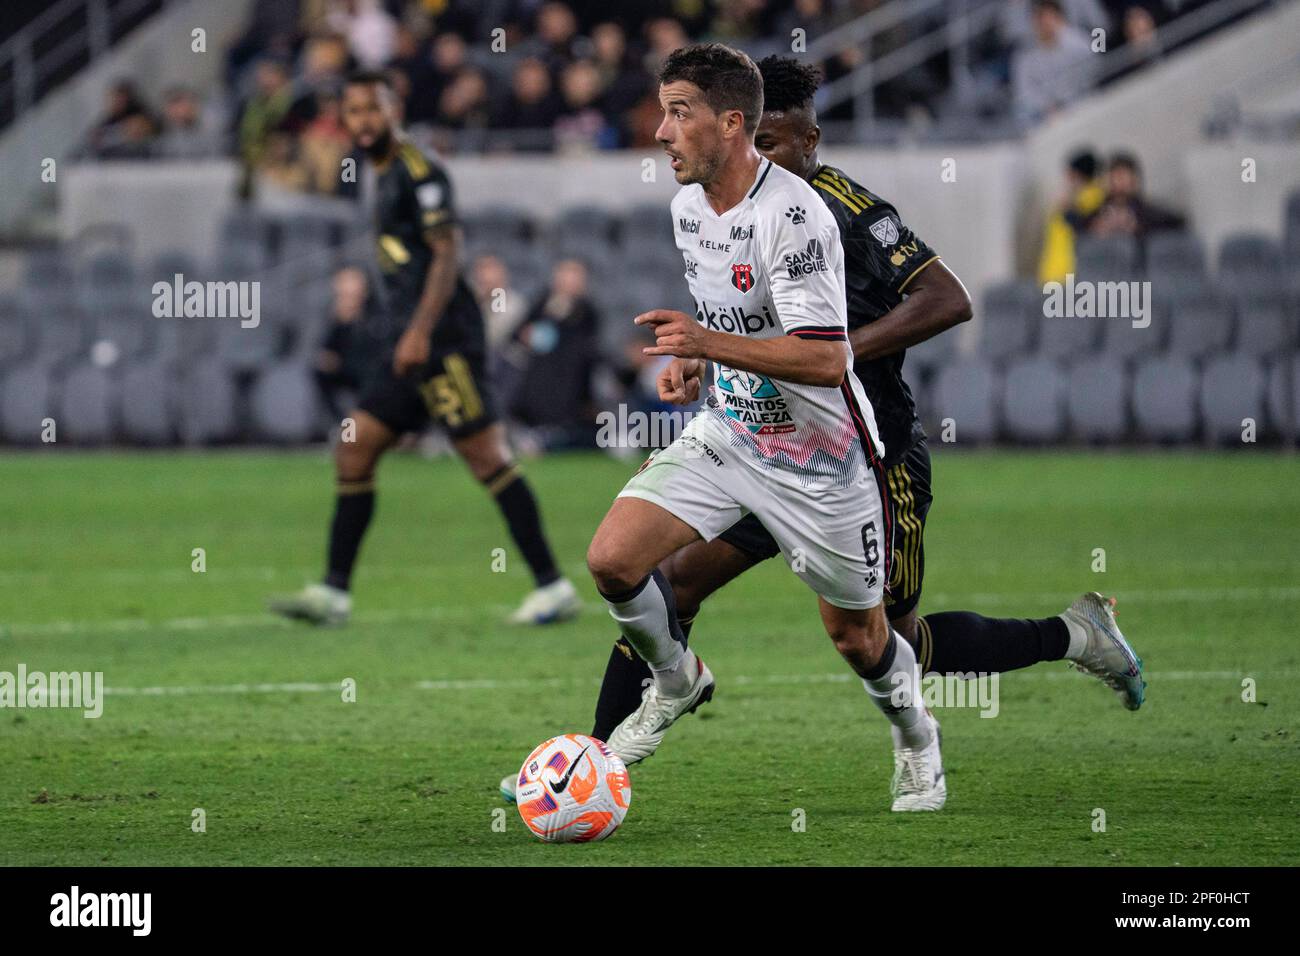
317, 604
557, 601
918, 782
1107, 656
640, 734
508, 788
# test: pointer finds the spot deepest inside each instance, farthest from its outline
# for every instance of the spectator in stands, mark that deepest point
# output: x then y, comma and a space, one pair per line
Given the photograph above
1141, 42
555, 35
430, 76
264, 110
623, 82
504, 308
555, 391
323, 145
1016, 24
126, 129
278, 163
346, 352
1055, 70
533, 103
370, 30
1126, 212
1081, 196
185, 134
582, 124
464, 104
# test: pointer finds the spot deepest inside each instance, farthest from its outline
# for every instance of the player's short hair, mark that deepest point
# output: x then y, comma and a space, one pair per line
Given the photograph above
787, 83
369, 78
727, 77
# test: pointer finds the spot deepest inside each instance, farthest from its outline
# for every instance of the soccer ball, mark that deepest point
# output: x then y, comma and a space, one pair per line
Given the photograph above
573, 789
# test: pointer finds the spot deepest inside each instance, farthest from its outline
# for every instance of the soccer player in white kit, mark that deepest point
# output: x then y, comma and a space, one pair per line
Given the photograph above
787, 432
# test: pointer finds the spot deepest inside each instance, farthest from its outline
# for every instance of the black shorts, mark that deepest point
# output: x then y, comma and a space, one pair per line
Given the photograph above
909, 503
451, 389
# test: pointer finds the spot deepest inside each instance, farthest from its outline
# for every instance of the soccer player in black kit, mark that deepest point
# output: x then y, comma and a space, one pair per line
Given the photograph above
899, 294
435, 370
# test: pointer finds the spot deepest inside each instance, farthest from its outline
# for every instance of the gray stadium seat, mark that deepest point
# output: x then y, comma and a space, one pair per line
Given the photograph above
1263, 329
933, 353
1174, 253
585, 224
284, 404
1121, 339
494, 224
130, 334
207, 404
181, 340
247, 349
1068, 338
1173, 290
1200, 328
1164, 399
1012, 298
1250, 263
60, 337
1097, 396
47, 268
26, 398
148, 411
1284, 396
1232, 389
1006, 334
645, 225
16, 337
1033, 400
86, 405
1105, 259
966, 392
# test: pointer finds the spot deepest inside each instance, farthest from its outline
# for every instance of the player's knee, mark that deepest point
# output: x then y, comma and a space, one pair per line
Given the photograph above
355, 460
612, 568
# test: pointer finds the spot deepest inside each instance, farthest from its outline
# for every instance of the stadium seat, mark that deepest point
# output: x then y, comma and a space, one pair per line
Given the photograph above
1121, 339
25, 401
1249, 263
166, 266
16, 337
1174, 253
86, 404
148, 411
284, 404
248, 349
581, 225
967, 393
1033, 404
646, 225
181, 340
207, 404
1067, 338
1006, 334
1097, 397
126, 334
1263, 329
61, 336
1012, 298
1173, 290
1232, 389
930, 355
494, 224
1164, 399
1284, 396
1200, 328
1105, 259
49, 267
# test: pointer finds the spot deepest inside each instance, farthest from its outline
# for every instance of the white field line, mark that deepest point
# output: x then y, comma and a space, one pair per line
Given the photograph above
554, 683
933, 602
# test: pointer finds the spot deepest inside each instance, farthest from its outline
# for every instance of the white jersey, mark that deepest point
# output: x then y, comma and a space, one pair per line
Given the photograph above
773, 265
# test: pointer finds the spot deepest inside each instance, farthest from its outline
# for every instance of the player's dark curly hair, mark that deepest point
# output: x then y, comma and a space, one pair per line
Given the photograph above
727, 77
787, 83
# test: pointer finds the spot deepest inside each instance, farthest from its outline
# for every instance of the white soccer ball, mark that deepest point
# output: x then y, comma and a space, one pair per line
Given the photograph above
573, 789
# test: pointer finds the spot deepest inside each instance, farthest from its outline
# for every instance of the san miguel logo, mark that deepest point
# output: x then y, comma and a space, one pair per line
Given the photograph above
742, 277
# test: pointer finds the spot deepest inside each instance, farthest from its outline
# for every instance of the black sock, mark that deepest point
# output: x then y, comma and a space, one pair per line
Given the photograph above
623, 683
519, 507
962, 642
352, 512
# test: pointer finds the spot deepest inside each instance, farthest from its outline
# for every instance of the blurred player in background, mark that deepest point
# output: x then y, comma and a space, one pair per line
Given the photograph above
899, 294
436, 370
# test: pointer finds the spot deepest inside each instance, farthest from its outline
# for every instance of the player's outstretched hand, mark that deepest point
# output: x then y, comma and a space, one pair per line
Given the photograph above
676, 333
412, 351
679, 382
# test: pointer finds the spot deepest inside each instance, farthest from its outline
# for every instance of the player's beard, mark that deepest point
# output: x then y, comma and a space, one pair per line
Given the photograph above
380, 147
703, 171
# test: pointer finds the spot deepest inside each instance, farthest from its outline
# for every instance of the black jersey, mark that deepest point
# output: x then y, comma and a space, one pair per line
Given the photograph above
412, 196
881, 257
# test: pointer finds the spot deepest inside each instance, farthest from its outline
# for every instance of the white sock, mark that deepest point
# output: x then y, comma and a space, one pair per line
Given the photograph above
646, 621
897, 692
1078, 639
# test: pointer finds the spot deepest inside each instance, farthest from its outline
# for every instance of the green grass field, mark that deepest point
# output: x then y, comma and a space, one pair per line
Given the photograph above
215, 705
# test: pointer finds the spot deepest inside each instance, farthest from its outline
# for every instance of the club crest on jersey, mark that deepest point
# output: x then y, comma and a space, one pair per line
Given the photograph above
886, 230
742, 276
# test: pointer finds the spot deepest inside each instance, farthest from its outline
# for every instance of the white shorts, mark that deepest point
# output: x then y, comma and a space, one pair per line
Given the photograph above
832, 537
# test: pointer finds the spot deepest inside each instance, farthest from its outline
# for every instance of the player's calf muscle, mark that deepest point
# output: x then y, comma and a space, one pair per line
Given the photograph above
631, 542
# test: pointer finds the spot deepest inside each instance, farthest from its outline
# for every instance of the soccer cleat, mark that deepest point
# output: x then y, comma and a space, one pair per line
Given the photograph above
508, 788
1107, 656
918, 782
640, 734
557, 601
317, 604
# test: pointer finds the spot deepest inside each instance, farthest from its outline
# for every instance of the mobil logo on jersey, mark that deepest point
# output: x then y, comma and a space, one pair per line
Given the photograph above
742, 276
734, 319
754, 402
